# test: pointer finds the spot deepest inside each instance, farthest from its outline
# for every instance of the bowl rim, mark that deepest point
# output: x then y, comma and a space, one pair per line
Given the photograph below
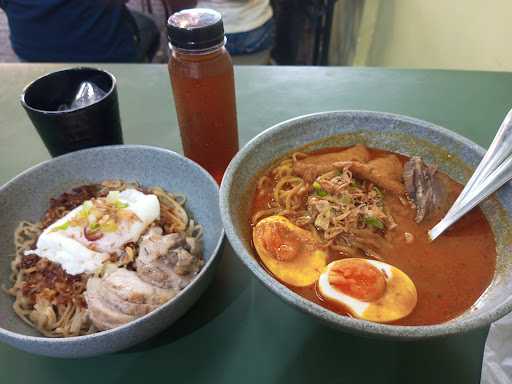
346, 323
111, 332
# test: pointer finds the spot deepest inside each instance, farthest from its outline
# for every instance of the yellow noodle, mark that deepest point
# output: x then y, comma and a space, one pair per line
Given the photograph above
349, 202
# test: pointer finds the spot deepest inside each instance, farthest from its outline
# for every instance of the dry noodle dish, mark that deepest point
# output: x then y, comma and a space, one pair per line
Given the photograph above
103, 255
347, 229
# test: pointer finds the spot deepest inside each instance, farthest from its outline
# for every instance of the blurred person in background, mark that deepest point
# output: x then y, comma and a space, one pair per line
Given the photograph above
81, 31
248, 24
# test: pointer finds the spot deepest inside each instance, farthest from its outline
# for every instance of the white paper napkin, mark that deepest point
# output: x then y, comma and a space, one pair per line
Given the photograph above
497, 362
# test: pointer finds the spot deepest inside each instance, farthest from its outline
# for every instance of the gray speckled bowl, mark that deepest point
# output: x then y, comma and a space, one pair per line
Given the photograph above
26, 198
454, 154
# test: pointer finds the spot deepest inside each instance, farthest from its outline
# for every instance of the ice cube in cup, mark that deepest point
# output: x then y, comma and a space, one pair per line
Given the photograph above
88, 93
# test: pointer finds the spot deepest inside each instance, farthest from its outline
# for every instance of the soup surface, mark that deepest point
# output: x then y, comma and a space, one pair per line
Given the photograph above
388, 225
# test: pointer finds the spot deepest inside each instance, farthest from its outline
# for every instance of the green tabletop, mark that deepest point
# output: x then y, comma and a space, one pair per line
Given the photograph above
239, 331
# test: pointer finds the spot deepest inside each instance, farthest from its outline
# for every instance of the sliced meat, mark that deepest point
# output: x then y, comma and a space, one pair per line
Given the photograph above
154, 244
423, 187
121, 297
312, 167
101, 313
134, 309
167, 261
129, 287
385, 172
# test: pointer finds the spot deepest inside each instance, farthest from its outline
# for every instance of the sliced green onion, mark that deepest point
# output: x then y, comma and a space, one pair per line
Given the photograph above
94, 226
61, 227
319, 190
120, 205
86, 209
374, 222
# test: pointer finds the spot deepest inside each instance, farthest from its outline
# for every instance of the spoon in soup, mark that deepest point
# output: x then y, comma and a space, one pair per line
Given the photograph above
494, 170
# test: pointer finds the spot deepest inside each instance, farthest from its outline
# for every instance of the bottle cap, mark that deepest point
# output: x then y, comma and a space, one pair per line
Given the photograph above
195, 29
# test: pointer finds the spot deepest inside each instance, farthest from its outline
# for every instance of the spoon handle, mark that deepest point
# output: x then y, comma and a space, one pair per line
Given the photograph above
475, 196
499, 150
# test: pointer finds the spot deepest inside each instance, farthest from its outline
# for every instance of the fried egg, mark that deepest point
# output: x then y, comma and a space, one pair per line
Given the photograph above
83, 239
368, 289
291, 253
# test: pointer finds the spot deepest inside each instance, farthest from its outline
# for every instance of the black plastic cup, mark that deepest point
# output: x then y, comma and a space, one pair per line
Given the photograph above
65, 129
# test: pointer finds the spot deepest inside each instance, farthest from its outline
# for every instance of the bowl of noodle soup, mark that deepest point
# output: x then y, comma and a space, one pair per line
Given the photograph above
59, 307
286, 213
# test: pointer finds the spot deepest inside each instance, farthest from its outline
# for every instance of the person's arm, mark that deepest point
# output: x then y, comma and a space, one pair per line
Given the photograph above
178, 5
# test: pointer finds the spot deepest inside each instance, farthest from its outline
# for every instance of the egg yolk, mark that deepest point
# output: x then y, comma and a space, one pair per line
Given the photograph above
281, 242
358, 279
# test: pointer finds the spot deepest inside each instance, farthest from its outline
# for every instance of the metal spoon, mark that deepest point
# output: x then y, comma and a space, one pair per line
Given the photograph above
494, 170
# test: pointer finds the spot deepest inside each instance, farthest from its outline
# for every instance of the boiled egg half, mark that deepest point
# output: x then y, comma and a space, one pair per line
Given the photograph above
291, 253
368, 289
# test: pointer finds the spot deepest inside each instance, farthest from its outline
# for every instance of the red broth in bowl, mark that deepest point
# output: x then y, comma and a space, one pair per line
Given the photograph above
310, 210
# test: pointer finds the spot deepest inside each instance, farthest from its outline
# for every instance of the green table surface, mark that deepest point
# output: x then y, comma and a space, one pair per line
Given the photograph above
239, 331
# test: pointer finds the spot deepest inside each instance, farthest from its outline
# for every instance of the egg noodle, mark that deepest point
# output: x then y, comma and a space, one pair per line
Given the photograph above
49, 299
342, 212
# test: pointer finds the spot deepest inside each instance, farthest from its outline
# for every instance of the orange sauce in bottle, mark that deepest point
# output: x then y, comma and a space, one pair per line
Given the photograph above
203, 85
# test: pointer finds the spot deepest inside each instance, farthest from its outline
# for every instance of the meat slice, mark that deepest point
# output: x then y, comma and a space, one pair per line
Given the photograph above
100, 312
129, 287
423, 187
121, 297
126, 307
167, 261
385, 172
313, 166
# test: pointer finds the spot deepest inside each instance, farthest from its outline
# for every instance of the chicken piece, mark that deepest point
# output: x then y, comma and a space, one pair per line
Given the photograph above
121, 297
100, 312
385, 172
423, 187
312, 167
129, 287
166, 261
126, 307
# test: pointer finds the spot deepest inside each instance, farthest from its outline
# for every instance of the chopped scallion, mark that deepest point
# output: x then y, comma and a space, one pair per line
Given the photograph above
319, 190
374, 222
120, 205
94, 226
61, 227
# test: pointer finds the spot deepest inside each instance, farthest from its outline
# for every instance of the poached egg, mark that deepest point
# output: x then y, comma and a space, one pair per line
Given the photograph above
86, 236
